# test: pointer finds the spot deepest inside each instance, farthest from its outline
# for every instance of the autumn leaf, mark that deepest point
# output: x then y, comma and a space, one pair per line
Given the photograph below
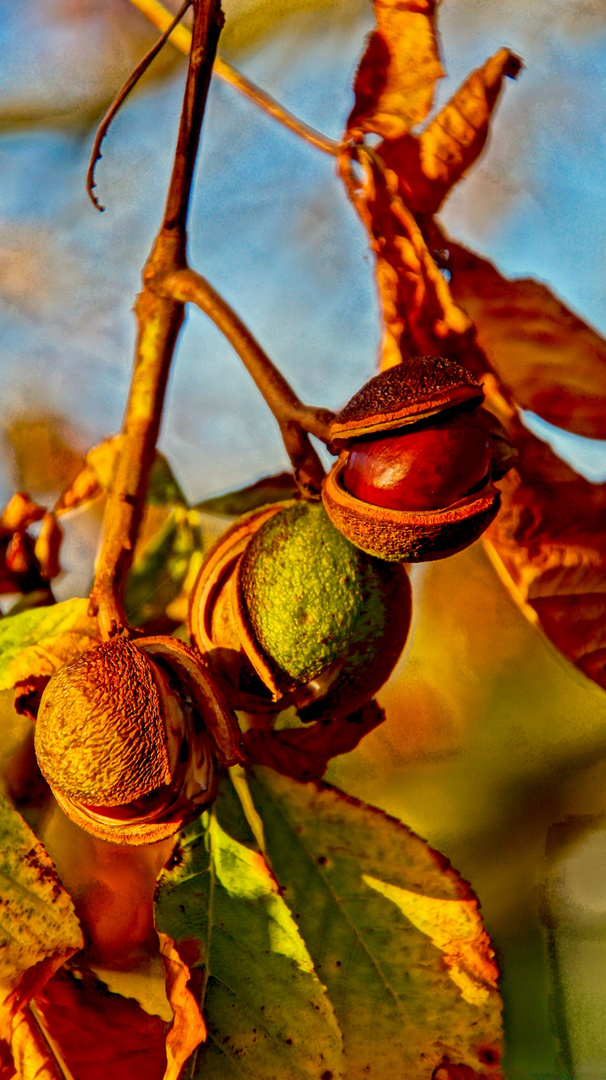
100, 1034
96, 477
429, 164
39, 929
35, 643
548, 544
546, 357
420, 316
304, 751
394, 931
395, 82
266, 1011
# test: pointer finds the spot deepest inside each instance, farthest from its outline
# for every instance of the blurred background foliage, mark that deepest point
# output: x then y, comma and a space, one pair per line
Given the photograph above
494, 746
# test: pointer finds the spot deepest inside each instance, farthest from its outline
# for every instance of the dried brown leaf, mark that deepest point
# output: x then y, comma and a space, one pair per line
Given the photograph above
549, 545
188, 1029
419, 315
547, 359
305, 752
430, 164
395, 82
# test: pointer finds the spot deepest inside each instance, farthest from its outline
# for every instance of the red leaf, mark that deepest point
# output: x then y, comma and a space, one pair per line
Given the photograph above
100, 1034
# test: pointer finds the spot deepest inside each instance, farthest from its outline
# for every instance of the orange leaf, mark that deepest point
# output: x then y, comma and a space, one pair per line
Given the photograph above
188, 1029
395, 82
20, 512
549, 545
429, 165
420, 317
548, 359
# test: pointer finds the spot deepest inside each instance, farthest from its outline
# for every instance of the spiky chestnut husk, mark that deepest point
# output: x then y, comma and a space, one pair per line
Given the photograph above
293, 614
130, 735
414, 480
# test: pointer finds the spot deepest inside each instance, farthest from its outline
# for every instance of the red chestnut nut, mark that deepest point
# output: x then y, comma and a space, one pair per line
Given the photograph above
419, 456
423, 468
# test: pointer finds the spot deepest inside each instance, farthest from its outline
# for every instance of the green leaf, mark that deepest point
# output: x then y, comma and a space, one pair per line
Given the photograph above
267, 1013
268, 490
158, 575
37, 642
394, 932
39, 925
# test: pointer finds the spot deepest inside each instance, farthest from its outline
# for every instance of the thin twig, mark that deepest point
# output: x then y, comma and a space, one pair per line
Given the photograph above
181, 38
159, 319
120, 97
295, 419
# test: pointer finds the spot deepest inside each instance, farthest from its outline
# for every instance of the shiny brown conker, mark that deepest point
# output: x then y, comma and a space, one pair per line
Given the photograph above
422, 468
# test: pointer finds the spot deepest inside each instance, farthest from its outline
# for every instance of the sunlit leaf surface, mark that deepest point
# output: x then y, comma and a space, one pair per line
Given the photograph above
266, 1011
37, 642
395, 82
39, 930
394, 932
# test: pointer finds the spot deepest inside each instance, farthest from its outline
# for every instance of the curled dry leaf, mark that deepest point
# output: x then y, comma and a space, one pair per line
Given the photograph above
420, 316
304, 752
429, 164
547, 359
549, 545
187, 1029
395, 82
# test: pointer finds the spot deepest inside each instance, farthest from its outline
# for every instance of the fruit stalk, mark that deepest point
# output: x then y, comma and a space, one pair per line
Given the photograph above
159, 319
295, 419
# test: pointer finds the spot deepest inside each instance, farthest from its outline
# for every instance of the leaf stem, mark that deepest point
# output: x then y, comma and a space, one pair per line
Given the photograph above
159, 319
181, 39
296, 420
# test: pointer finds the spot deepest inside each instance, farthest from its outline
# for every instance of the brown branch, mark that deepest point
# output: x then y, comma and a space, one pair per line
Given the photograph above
208, 23
273, 108
159, 320
120, 98
295, 419
181, 39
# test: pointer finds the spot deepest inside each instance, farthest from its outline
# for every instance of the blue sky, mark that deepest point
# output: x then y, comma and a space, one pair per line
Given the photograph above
273, 230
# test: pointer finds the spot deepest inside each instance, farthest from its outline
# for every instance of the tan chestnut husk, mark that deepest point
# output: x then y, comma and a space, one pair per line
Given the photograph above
130, 737
220, 624
416, 389
211, 622
406, 535
414, 395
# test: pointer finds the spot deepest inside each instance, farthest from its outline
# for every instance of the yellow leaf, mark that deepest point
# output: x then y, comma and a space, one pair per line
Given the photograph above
455, 928
394, 86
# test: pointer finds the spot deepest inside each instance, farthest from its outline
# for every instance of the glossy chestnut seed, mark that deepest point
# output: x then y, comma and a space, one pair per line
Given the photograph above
424, 467
414, 480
